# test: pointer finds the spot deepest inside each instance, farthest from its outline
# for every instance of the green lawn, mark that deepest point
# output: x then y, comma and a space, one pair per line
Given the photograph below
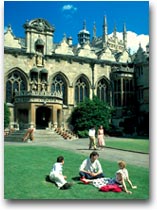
137, 145
26, 166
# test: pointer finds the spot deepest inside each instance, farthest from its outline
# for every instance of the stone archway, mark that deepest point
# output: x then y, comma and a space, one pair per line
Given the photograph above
43, 117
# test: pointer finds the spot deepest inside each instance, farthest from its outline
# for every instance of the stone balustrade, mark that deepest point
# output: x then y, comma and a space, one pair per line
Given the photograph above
38, 96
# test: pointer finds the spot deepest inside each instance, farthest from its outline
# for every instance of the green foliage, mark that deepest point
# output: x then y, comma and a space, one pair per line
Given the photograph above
6, 116
90, 113
83, 134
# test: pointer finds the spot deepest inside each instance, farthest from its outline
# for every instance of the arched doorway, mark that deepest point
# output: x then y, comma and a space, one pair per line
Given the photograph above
43, 116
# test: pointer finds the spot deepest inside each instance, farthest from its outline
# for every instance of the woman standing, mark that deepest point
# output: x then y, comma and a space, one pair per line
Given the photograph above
100, 136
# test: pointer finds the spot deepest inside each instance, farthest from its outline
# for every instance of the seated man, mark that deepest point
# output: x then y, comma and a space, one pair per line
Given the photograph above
91, 167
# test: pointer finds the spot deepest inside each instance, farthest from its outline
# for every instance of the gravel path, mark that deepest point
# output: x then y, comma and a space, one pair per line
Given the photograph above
81, 146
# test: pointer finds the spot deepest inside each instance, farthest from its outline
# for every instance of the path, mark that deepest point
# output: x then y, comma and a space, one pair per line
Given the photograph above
81, 146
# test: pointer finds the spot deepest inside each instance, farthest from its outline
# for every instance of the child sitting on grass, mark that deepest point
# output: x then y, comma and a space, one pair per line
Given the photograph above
57, 176
122, 176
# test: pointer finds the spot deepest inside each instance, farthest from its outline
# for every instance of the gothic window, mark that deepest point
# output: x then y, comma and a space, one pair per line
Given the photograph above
119, 85
103, 91
15, 83
81, 90
115, 85
117, 93
117, 99
59, 84
123, 92
127, 92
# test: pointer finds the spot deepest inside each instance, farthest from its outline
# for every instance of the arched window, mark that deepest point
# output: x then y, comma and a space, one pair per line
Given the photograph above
59, 84
103, 91
81, 90
123, 92
16, 82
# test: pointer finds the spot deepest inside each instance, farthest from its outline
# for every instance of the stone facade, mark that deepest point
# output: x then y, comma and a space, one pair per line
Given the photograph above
141, 68
44, 81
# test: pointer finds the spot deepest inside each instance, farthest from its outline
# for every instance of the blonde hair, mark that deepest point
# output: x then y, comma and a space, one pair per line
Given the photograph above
121, 164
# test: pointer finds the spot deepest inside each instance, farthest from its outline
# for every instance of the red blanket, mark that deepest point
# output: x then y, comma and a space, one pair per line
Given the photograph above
110, 187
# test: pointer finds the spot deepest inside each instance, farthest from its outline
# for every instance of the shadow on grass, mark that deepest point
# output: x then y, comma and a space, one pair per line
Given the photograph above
76, 178
47, 179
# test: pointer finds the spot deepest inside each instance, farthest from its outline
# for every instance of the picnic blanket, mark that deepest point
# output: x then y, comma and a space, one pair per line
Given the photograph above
106, 185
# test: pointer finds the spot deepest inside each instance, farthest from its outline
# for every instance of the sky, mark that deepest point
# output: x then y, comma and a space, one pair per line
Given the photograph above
67, 17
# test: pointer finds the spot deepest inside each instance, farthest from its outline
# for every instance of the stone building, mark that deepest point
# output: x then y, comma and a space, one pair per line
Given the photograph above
44, 80
141, 68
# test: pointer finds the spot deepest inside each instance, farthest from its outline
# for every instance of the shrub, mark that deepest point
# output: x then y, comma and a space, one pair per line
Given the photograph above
83, 134
90, 113
6, 116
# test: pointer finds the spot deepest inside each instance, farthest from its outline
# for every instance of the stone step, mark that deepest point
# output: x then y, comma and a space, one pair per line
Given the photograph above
45, 135
15, 136
39, 135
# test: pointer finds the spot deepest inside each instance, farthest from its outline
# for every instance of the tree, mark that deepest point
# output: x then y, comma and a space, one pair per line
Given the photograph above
6, 116
90, 113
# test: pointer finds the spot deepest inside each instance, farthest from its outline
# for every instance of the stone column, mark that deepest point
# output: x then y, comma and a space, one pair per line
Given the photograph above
92, 67
59, 118
28, 41
54, 116
32, 116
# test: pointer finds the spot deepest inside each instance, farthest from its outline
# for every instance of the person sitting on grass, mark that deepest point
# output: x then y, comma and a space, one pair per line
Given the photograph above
56, 175
122, 176
91, 168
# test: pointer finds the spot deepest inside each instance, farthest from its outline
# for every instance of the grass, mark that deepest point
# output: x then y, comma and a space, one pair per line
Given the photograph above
136, 145
26, 166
